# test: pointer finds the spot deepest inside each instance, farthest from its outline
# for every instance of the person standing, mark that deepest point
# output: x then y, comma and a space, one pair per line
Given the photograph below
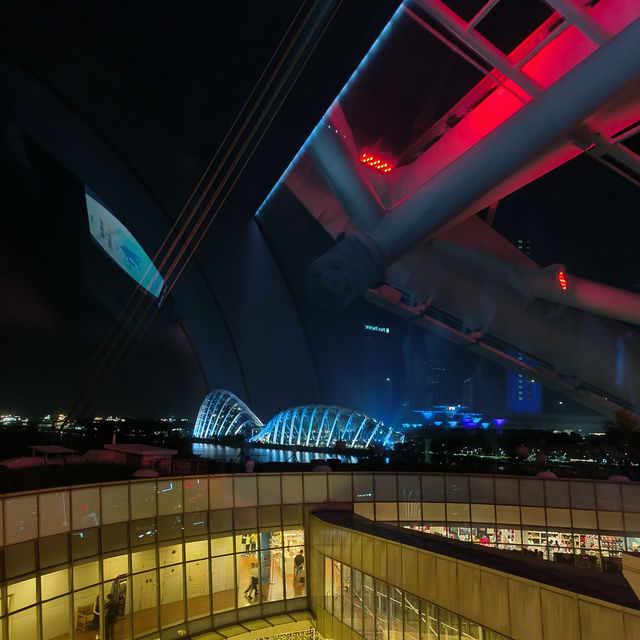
111, 614
252, 590
298, 567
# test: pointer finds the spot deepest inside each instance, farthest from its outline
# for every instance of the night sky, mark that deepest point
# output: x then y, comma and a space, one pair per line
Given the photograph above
60, 294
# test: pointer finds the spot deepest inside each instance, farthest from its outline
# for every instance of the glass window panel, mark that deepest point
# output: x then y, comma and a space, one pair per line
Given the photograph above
457, 488
221, 545
531, 492
116, 601
315, 487
612, 544
385, 487
485, 536
115, 503
294, 537
54, 584
382, 611
196, 494
170, 554
470, 630
270, 516
246, 542
409, 488
269, 489
84, 544
20, 559
143, 499
21, 594
346, 595
292, 490
85, 508
86, 609
271, 576
169, 497
20, 518
362, 488
633, 544
196, 523
481, 490
85, 574
196, 549
53, 550
356, 600
116, 566
509, 538
411, 617
24, 625
55, 619
506, 491
171, 595
428, 621
248, 572
245, 518
328, 584
198, 601
582, 495
339, 487
337, 585
449, 625
221, 492
170, 527
432, 488
143, 531
115, 536
145, 603
295, 571
223, 584
368, 607
54, 513
143, 560
270, 539
396, 613
245, 491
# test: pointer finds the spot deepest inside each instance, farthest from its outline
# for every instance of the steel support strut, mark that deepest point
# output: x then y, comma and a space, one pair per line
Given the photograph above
358, 261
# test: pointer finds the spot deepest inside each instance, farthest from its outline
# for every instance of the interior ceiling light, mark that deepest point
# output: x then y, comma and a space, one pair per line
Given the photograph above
384, 165
562, 280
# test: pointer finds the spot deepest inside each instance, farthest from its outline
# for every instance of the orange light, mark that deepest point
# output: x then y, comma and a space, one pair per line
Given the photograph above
376, 162
562, 280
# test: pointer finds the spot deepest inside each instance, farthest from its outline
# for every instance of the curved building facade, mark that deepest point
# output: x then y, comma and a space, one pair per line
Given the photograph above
324, 426
181, 557
223, 414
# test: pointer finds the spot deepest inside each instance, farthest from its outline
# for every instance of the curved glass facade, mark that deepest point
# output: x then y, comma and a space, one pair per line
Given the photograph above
179, 555
224, 414
324, 426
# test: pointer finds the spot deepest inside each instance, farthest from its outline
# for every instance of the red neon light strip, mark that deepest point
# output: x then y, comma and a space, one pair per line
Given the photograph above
562, 279
375, 162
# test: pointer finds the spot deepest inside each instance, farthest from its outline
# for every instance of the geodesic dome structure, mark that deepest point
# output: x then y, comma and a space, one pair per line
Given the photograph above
323, 426
223, 414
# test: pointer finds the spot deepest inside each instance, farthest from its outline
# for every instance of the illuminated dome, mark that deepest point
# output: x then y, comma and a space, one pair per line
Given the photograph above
224, 414
324, 426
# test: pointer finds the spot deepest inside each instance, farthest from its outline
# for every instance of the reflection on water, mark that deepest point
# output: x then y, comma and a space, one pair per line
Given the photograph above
221, 452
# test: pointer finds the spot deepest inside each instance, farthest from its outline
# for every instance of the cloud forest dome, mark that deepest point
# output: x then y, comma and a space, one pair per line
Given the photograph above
411, 151
224, 414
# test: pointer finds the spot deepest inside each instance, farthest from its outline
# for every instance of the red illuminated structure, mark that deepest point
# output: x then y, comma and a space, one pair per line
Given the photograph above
376, 162
562, 280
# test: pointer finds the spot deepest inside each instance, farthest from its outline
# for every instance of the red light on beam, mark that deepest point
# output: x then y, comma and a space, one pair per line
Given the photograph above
562, 280
376, 162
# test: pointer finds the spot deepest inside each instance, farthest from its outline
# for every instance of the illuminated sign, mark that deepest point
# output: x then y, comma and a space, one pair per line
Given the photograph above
371, 327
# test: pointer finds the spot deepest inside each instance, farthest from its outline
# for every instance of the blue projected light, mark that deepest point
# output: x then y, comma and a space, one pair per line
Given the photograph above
120, 245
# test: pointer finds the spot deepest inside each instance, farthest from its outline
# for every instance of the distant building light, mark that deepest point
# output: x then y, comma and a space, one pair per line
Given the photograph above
372, 327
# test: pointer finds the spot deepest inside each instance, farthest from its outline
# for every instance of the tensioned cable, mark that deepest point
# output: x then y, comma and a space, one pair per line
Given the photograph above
227, 175
91, 375
120, 353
